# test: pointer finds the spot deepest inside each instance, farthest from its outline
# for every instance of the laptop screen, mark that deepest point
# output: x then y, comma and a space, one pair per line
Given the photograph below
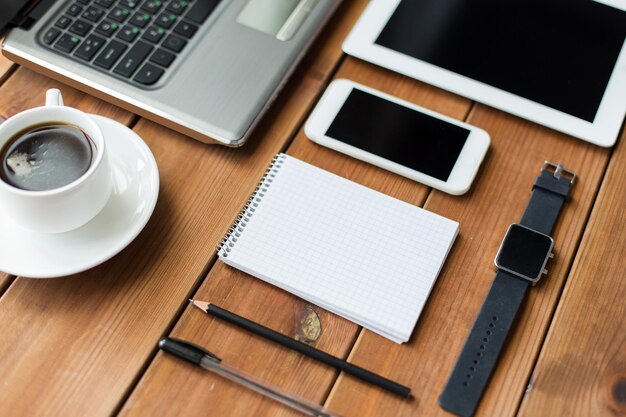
9, 9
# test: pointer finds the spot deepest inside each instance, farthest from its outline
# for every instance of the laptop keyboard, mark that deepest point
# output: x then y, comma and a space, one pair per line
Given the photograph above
136, 40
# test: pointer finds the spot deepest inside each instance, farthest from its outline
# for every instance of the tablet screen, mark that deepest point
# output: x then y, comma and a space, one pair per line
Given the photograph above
559, 53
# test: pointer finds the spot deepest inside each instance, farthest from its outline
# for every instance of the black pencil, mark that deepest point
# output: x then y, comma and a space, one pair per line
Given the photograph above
303, 348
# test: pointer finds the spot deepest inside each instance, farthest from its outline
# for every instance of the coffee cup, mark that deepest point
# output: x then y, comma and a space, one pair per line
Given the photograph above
60, 208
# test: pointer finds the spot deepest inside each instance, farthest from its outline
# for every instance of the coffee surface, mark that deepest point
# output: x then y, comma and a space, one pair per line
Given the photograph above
46, 157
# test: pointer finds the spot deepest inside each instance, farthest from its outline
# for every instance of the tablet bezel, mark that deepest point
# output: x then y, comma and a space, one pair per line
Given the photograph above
603, 131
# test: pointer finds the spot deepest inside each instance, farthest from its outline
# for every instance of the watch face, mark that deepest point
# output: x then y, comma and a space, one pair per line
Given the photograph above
524, 252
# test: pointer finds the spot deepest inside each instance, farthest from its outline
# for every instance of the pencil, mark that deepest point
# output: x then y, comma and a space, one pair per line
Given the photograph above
303, 348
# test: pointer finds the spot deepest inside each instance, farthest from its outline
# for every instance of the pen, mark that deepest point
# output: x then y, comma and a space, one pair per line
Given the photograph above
205, 359
303, 348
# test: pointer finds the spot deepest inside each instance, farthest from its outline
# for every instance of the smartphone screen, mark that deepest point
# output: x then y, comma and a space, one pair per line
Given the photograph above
399, 134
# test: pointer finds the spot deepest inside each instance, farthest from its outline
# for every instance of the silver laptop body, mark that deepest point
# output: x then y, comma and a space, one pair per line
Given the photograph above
217, 88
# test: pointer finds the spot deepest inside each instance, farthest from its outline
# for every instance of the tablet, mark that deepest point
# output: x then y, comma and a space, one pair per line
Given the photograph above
559, 63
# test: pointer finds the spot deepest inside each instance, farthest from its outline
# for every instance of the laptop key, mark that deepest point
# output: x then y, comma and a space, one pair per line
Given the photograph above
165, 20
63, 22
135, 56
74, 10
162, 57
186, 29
110, 54
128, 33
80, 27
152, 6
148, 74
130, 3
106, 28
201, 10
105, 3
177, 6
51, 35
89, 47
140, 19
93, 13
67, 43
119, 14
174, 43
153, 34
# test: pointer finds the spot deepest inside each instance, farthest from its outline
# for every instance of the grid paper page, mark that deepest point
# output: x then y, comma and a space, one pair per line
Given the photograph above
349, 249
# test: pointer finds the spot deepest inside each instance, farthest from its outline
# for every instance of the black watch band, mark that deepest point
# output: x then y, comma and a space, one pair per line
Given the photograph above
488, 335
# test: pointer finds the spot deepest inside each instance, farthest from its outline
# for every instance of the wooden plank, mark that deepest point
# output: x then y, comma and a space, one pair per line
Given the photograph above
498, 197
74, 346
581, 367
172, 387
26, 89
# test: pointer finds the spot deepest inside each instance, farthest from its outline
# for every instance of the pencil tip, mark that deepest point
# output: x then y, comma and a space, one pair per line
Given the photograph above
202, 305
191, 300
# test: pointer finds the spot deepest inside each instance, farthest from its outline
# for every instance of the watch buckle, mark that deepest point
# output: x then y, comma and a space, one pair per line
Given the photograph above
558, 170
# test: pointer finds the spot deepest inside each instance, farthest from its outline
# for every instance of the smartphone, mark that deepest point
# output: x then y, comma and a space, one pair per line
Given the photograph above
398, 136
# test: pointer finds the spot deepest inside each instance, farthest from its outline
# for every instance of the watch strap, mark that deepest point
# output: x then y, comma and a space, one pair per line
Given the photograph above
482, 348
549, 194
483, 345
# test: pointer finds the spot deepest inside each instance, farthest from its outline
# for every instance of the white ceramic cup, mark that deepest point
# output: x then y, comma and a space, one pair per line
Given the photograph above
70, 206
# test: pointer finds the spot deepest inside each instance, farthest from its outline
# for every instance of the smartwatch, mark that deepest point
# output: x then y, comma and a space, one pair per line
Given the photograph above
521, 261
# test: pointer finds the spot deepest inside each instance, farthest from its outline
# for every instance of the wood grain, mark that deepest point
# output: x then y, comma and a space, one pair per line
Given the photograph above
582, 367
173, 388
75, 345
26, 89
80, 345
498, 197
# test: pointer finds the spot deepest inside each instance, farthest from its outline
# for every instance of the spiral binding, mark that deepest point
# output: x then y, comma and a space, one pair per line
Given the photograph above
244, 216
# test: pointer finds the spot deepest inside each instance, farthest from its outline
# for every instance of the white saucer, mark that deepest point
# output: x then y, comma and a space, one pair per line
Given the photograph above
135, 191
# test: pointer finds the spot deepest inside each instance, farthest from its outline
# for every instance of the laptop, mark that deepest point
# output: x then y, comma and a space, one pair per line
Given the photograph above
206, 68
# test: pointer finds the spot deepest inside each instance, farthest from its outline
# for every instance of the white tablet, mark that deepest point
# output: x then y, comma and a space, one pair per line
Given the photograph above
560, 63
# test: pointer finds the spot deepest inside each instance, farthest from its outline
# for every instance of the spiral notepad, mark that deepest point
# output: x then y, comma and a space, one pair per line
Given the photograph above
356, 252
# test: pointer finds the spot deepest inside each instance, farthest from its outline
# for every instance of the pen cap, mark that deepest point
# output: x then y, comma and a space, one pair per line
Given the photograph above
185, 350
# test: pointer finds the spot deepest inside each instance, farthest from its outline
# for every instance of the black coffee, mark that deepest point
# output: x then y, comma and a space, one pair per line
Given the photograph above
45, 157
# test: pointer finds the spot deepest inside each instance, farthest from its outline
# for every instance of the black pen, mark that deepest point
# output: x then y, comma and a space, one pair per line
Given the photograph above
205, 359
303, 348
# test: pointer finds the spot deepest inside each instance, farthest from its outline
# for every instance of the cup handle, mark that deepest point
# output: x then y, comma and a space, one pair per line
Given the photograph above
54, 97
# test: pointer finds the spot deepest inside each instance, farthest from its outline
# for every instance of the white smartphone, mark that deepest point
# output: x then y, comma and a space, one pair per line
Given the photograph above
398, 136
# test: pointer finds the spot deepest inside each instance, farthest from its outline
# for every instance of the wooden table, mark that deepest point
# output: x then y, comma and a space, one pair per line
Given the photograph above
85, 345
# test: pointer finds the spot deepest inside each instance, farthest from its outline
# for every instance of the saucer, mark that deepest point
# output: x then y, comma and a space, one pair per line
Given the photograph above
135, 174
